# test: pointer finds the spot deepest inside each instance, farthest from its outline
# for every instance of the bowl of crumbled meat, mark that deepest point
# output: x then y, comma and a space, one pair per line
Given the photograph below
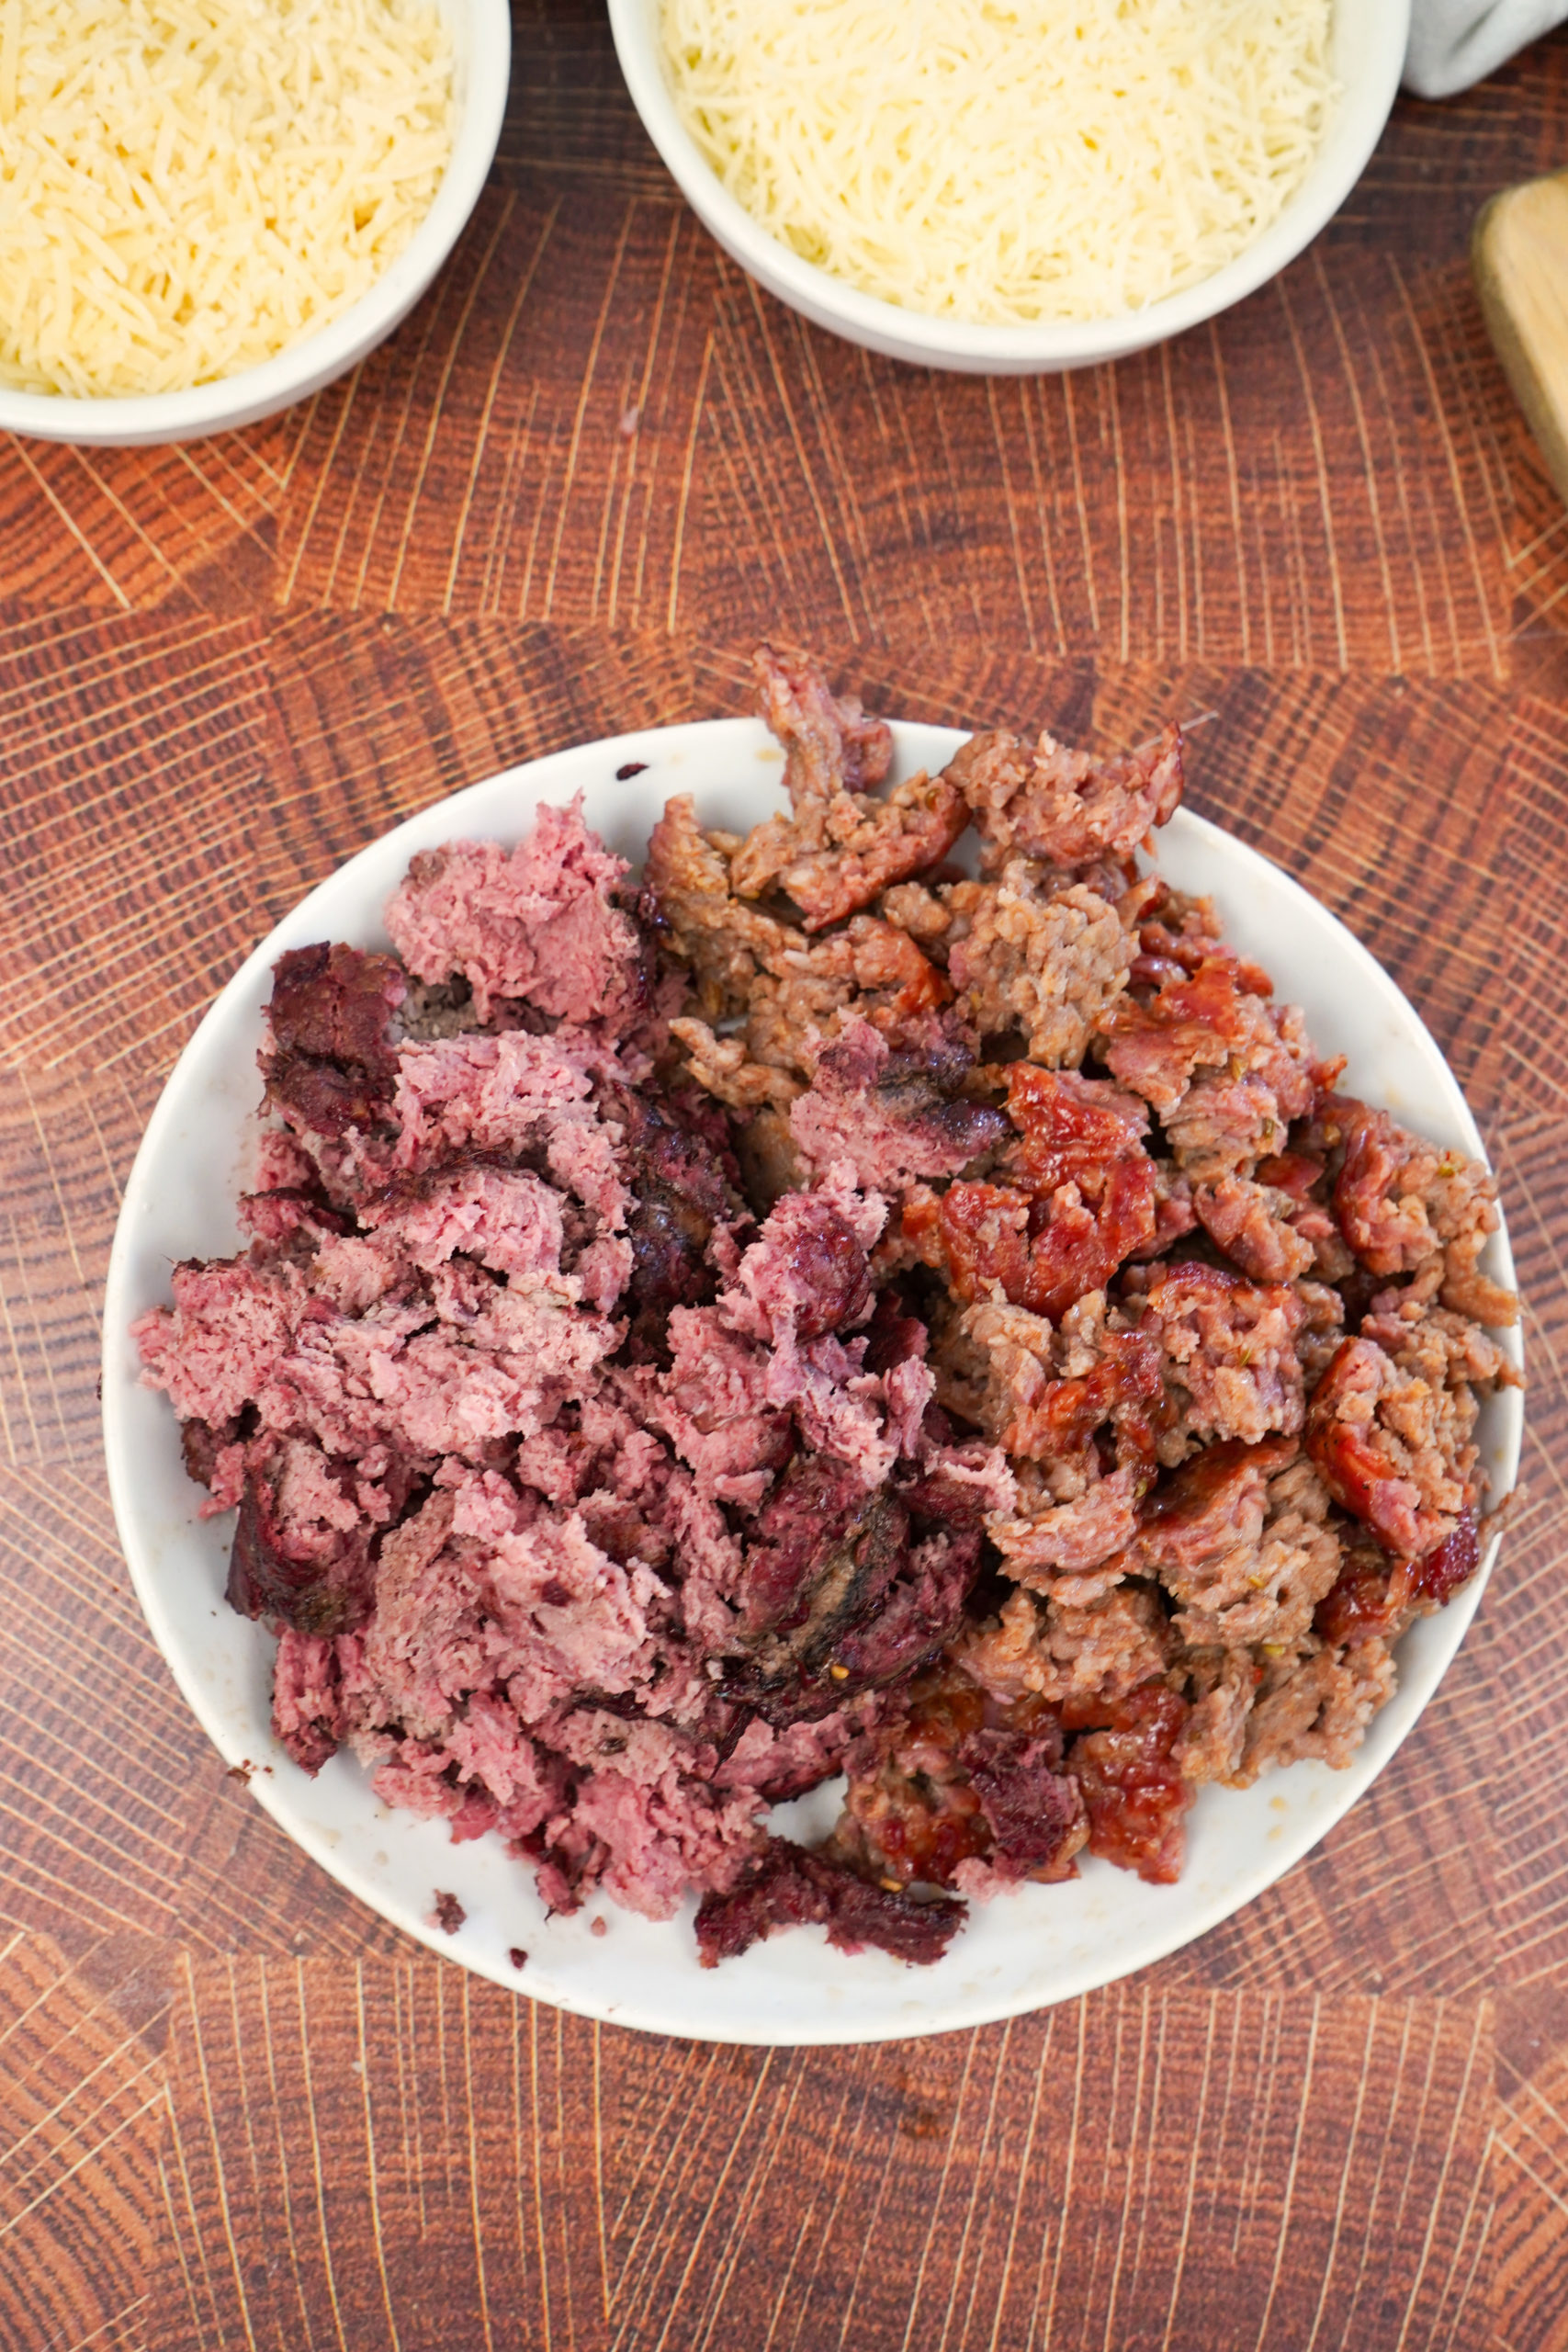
836, 1379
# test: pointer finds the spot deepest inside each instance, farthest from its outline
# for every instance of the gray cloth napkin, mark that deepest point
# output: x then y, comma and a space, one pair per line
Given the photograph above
1456, 42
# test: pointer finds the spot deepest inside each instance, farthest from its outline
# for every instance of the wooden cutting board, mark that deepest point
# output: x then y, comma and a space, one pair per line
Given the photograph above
1520, 258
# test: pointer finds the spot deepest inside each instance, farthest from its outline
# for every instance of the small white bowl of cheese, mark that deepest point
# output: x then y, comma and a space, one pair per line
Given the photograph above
120, 247
867, 91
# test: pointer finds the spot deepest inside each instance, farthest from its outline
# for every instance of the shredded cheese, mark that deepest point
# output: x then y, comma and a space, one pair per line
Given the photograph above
1002, 161
188, 186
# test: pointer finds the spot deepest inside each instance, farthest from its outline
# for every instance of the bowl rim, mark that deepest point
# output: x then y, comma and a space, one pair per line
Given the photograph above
555, 1978
291, 375
921, 338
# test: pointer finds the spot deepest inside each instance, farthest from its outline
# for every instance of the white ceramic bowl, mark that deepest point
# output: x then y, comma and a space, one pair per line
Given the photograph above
1367, 50
1045, 1944
481, 58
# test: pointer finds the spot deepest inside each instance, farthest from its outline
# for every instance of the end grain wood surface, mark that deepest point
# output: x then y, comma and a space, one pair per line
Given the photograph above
235, 2108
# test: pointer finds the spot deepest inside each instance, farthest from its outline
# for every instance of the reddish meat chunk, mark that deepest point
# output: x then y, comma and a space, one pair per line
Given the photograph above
1069, 1127
838, 847
1124, 1387
1047, 1251
1132, 1783
1215, 1018
960, 1778
1375, 1596
1082, 1202
1403, 1202
885, 841
1385, 1441
307, 1712
1214, 1500
831, 746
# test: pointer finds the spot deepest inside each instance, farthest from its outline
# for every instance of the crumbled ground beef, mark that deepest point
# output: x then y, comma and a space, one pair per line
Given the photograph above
839, 846
1045, 957
1048, 802
827, 1313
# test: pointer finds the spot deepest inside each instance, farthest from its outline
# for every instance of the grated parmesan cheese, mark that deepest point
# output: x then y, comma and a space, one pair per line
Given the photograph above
1002, 161
188, 186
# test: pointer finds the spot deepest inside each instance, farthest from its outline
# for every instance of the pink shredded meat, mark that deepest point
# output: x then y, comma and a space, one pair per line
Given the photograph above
670, 1366
536, 924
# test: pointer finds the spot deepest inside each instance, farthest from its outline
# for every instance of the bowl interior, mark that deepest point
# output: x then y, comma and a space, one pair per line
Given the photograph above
481, 50
1369, 43
1044, 1945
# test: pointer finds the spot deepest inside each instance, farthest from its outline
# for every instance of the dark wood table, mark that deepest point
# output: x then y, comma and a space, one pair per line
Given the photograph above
235, 2108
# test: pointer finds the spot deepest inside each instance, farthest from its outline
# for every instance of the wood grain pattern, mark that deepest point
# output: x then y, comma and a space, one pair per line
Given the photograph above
235, 2109
596, 2189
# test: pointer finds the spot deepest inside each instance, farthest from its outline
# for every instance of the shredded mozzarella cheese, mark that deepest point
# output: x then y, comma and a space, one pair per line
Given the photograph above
188, 186
1002, 161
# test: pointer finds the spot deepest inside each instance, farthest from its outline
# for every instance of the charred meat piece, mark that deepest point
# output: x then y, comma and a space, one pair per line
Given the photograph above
824, 1563
332, 1064
292, 1560
922, 1611
788, 1887
680, 1189
201, 1444
845, 1592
